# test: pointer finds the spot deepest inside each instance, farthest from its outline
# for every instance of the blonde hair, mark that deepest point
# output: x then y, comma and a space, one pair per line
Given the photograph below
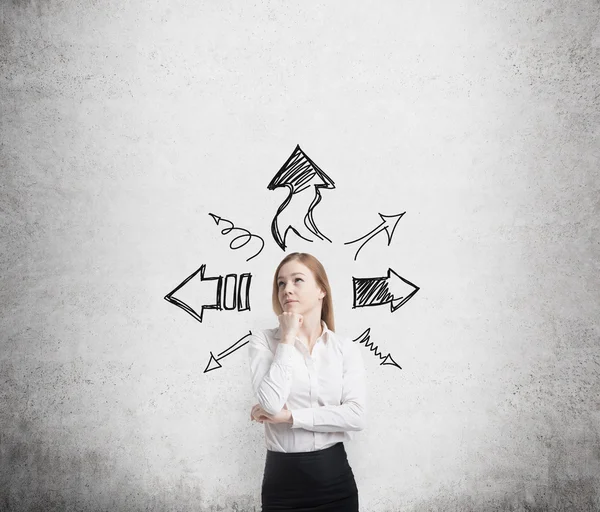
320, 275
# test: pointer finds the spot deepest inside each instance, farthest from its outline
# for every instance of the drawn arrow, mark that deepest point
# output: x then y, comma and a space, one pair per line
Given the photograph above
226, 289
246, 236
297, 174
213, 362
375, 291
388, 224
365, 338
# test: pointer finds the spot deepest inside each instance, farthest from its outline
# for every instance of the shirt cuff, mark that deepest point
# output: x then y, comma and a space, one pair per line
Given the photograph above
284, 354
303, 418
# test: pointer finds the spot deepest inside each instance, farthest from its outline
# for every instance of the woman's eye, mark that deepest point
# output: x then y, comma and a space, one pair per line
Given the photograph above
296, 279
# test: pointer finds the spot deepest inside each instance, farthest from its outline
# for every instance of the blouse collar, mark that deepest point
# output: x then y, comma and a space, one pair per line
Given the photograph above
326, 332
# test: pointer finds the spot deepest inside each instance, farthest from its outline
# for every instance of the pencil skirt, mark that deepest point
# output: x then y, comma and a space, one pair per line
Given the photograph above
321, 480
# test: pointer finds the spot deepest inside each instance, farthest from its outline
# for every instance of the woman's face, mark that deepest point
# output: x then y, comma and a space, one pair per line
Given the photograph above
297, 288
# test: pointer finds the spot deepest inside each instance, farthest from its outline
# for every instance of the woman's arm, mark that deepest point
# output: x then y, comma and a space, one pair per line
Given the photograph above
351, 413
271, 374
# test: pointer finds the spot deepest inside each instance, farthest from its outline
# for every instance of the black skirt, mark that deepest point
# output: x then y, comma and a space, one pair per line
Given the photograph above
307, 481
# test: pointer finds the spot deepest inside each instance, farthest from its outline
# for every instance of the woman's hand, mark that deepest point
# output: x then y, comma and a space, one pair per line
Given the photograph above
258, 414
290, 323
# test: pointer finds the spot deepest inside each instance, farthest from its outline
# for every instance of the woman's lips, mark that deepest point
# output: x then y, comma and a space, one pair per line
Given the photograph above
290, 301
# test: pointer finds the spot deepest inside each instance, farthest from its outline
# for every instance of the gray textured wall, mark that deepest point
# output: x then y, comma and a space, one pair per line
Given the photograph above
123, 124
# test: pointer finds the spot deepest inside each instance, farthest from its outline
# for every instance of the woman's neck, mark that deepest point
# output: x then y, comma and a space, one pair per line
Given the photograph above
311, 328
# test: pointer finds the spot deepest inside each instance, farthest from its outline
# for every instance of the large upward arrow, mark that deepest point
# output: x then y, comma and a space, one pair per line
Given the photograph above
375, 291
297, 174
388, 224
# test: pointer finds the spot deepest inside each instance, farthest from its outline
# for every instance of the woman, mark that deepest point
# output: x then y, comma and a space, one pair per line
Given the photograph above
311, 394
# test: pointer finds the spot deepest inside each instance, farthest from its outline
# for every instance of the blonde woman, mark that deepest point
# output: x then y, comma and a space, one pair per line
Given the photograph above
311, 394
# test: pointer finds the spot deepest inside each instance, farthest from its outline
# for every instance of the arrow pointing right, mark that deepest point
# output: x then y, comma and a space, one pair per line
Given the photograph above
388, 224
375, 291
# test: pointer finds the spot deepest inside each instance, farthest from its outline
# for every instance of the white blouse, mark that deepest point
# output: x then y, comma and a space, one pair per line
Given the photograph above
325, 391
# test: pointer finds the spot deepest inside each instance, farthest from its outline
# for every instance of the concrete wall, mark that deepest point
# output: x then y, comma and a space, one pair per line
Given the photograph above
124, 124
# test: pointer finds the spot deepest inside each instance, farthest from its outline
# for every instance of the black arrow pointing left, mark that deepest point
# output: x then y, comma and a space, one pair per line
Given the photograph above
239, 291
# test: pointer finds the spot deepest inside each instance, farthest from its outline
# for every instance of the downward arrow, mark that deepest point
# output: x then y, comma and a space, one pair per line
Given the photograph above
213, 362
365, 338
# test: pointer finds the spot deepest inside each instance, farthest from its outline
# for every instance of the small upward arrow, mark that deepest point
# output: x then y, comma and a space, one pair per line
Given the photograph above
388, 224
246, 236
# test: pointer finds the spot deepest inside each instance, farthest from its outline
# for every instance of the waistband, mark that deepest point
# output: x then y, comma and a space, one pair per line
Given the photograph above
316, 454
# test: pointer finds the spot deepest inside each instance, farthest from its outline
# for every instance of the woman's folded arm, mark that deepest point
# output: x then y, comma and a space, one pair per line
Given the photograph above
350, 415
271, 373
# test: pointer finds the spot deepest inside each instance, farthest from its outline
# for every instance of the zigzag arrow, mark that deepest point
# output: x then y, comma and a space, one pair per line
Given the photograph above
365, 338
